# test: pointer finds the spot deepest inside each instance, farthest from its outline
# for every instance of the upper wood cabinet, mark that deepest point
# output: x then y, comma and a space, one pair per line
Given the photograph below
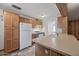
25, 20
36, 22
10, 19
11, 31
63, 24
15, 20
7, 19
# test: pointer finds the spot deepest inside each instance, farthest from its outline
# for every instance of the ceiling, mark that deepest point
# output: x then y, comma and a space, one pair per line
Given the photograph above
37, 10
42, 10
73, 11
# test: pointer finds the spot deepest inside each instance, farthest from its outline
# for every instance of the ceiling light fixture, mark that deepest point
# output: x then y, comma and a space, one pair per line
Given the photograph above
42, 16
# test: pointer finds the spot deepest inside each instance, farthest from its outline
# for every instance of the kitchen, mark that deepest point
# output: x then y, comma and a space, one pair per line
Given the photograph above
40, 29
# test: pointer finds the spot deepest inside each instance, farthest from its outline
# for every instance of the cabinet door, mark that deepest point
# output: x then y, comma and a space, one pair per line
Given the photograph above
34, 23
15, 31
7, 19
63, 24
15, 20
8, 40
41, 51
15, 38
27, 20
77, 29
69, 27
73, 27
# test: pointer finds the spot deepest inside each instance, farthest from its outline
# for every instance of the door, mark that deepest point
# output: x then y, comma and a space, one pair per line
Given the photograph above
23, 39
29, 38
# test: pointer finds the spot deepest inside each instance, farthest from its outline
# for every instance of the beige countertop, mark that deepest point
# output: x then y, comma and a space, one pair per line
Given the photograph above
63, 43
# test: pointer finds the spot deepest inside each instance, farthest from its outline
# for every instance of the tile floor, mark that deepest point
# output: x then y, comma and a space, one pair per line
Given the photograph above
30, 51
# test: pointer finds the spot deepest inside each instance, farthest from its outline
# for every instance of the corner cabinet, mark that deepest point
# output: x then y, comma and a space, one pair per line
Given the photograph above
11, 32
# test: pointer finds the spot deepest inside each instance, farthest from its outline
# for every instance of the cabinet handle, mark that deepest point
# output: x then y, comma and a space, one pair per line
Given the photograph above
46, 51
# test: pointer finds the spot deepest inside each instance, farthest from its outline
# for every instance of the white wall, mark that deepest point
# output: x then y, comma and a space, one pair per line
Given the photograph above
50, 20
1, 31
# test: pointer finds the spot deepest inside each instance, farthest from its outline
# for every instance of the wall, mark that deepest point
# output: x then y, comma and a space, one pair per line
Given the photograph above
1, 30
50, 21
49, 26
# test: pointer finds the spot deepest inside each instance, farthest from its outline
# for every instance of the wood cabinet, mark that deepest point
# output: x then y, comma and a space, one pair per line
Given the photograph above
54, 53
63, 24
7, 40
15, 39
36, 22
25, 20
43, 51
77, 29
34, 35
11, 31
73, 28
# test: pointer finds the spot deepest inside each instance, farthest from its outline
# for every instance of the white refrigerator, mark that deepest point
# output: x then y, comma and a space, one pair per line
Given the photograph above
25, 35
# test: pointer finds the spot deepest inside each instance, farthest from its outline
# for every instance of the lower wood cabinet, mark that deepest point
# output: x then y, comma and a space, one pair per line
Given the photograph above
43, 51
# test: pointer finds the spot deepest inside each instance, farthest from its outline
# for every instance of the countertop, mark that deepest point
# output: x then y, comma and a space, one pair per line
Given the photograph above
63, 43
